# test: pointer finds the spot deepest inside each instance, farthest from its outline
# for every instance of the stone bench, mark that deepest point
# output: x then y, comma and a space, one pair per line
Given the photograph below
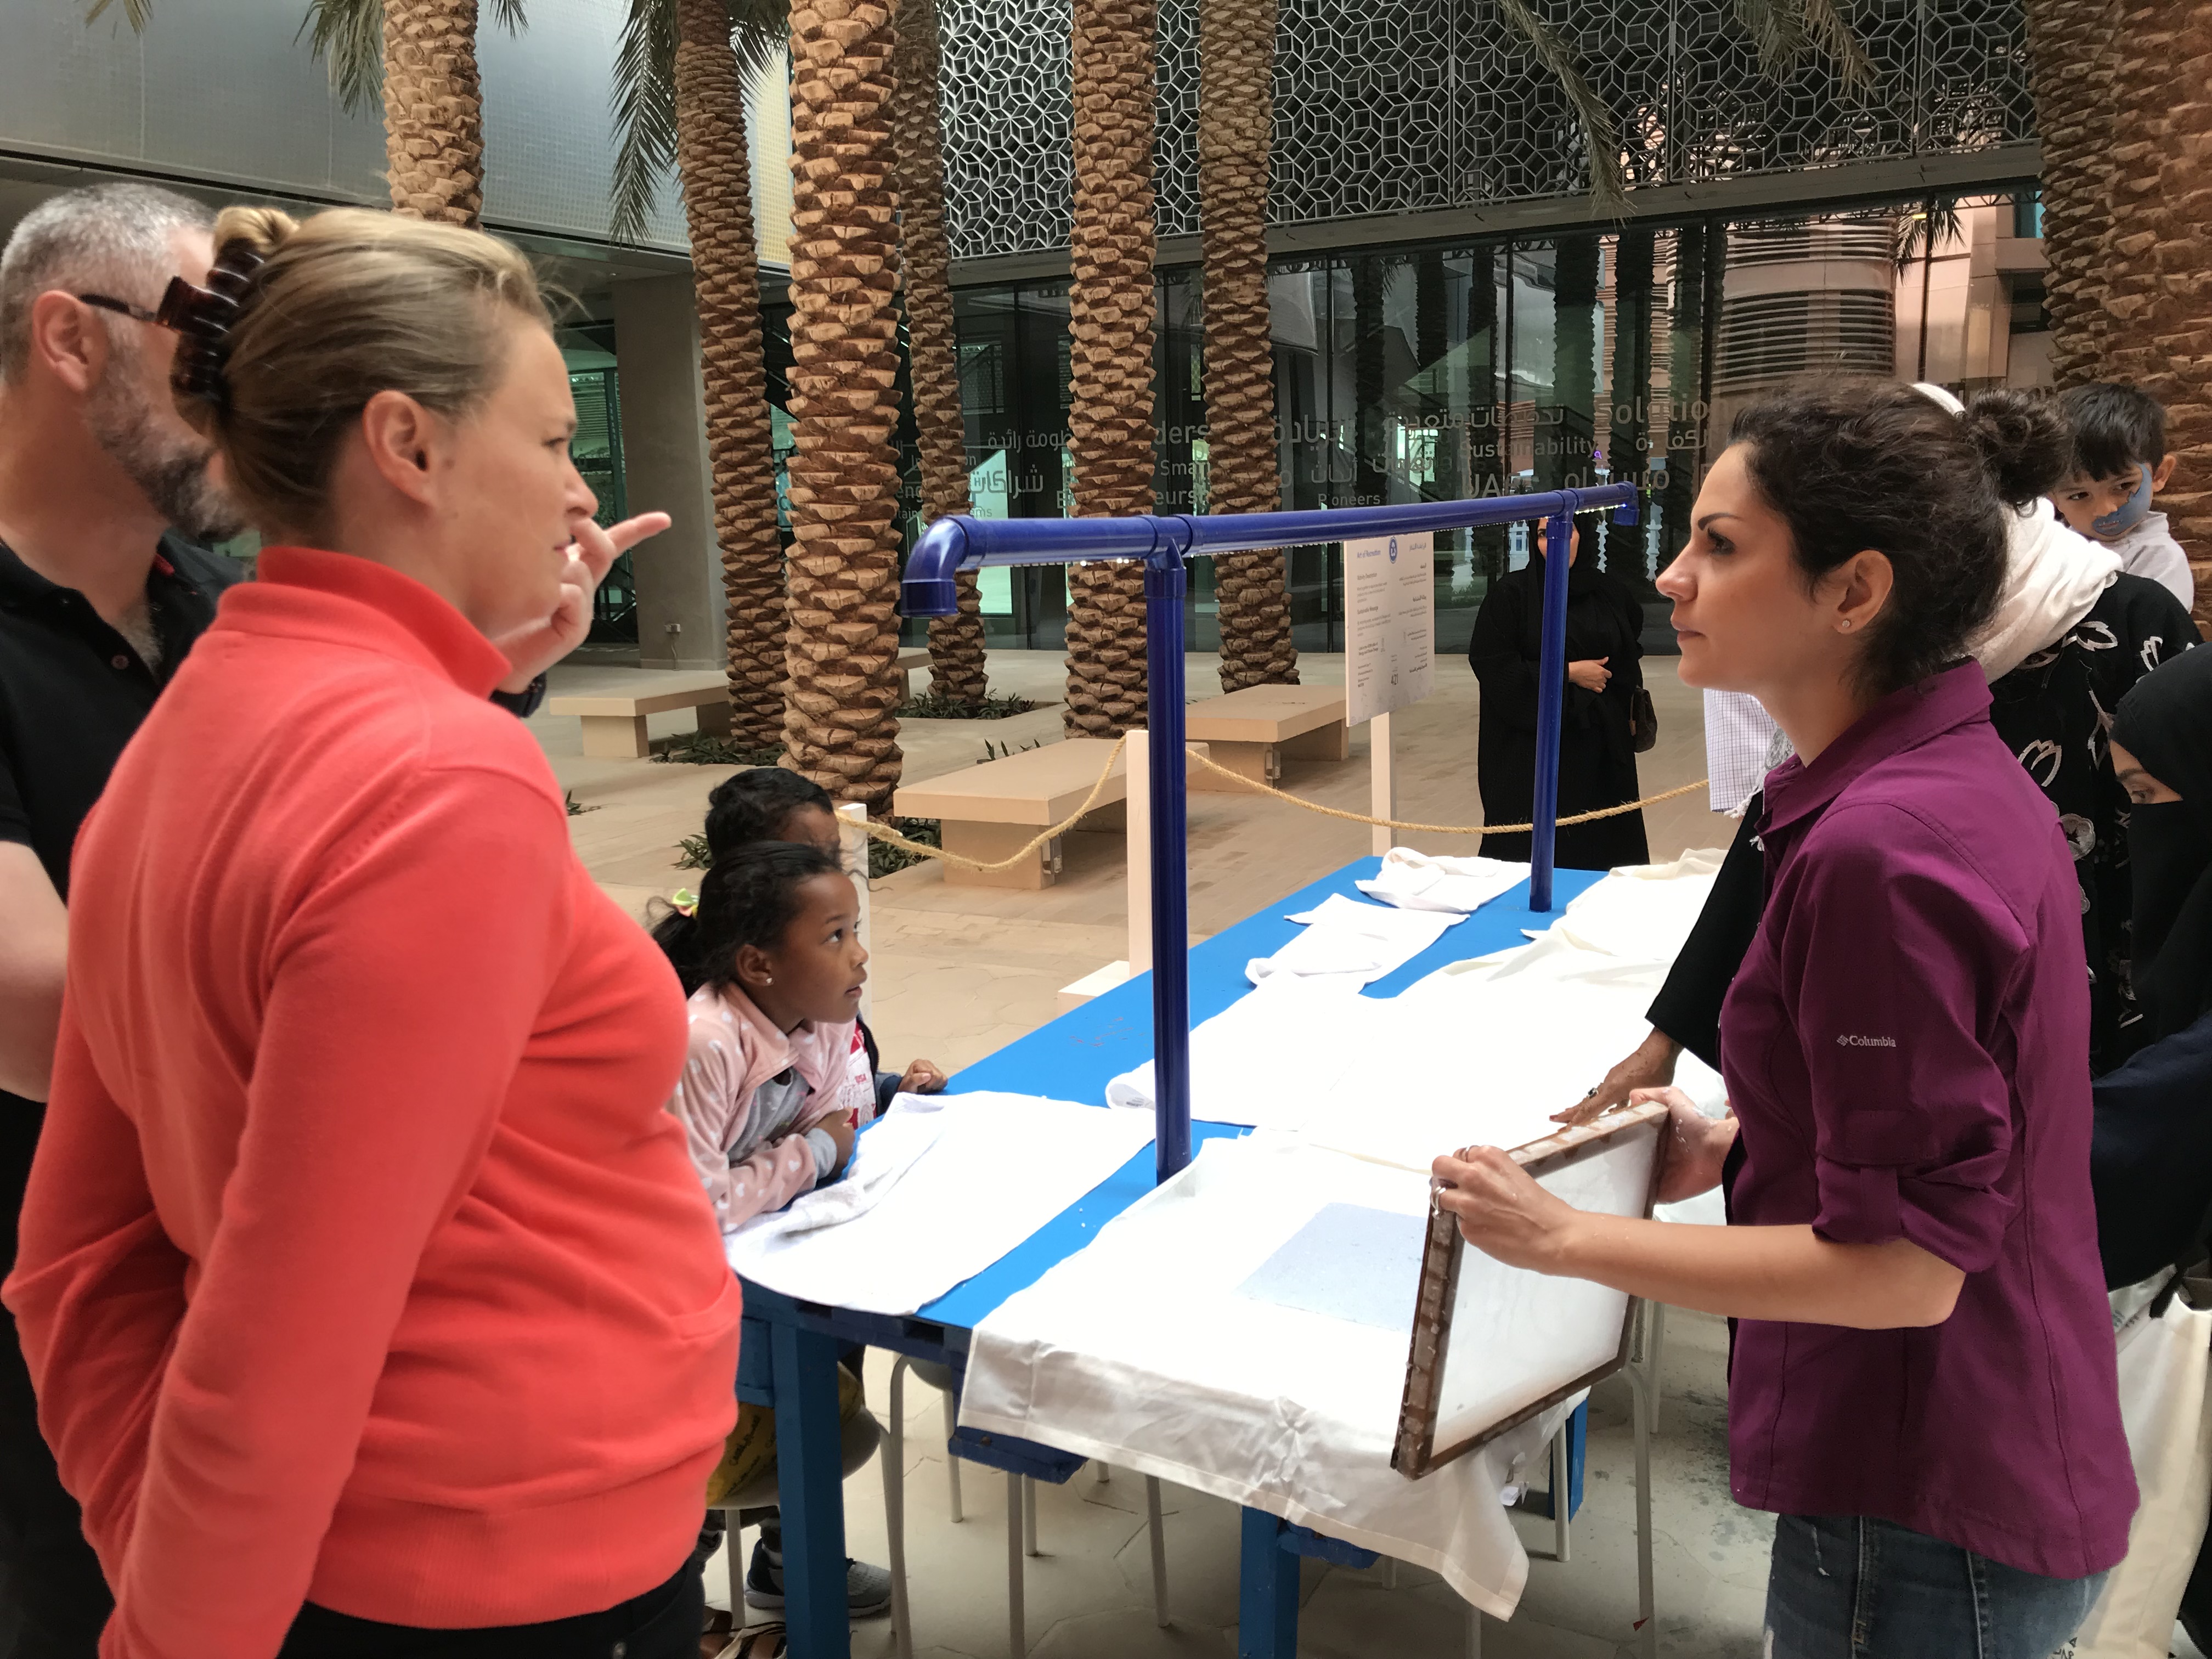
906, 663
614, 715
1254, 731
989, 810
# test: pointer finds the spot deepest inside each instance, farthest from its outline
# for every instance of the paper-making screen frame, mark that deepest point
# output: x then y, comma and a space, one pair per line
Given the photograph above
1415, 1452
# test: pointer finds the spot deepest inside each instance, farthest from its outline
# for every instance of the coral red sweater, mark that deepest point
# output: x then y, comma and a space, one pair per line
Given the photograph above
361, 1263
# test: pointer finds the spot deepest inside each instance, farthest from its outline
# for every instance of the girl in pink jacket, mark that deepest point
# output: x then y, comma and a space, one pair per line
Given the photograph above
773, 963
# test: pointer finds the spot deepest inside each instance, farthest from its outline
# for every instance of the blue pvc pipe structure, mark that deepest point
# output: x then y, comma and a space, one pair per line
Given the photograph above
1162, 543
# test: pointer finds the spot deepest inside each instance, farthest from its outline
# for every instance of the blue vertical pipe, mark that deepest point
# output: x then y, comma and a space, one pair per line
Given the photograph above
1550, 700
1163, 585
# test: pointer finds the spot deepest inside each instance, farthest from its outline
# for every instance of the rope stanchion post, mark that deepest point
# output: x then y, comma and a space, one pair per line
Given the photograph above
1382, 780
1137, 838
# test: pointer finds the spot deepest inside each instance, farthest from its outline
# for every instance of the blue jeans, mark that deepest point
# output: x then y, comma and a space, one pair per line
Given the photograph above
1844, 1586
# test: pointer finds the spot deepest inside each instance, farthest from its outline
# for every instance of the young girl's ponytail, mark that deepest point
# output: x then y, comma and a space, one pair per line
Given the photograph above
748, 896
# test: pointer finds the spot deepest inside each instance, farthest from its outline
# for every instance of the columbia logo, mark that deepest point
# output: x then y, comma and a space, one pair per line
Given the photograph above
1854, 1041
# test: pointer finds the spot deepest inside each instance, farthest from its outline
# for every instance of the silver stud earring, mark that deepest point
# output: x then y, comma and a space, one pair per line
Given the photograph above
767, 979
1845, 625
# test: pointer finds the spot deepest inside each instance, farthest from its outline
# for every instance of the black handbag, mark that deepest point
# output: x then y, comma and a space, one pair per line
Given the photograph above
1642, 720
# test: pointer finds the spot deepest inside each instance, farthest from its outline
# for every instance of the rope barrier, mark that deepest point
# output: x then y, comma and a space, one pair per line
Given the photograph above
884, 832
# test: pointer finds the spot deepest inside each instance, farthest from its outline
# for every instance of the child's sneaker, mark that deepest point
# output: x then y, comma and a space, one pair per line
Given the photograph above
867, 1588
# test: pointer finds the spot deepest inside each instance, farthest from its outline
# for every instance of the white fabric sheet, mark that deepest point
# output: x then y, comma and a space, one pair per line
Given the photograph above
1158, 1349
1272, 1056
942, 1188
1641, 912
1482, 1052
1359, 942
1417, 881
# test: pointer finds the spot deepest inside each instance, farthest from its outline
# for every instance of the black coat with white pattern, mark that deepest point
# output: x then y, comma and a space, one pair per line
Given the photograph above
2054, 711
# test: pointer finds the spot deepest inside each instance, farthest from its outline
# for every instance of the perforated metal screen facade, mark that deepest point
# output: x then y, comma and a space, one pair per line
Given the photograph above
1402, 105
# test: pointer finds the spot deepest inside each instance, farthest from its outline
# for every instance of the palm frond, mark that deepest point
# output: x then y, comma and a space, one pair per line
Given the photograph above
1832, 32
1777, 29
1781, 29
136, 13
509, 15
644, 96
348, 37
1923, 229
1600, 137
758, 30
644, 101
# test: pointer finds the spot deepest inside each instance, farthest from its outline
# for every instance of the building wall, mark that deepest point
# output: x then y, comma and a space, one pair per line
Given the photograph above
1388, 106
221, 90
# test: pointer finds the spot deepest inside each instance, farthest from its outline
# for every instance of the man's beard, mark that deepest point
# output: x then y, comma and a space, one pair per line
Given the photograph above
169, 466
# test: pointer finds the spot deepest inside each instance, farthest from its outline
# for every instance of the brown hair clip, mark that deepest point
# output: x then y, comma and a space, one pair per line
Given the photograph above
203, 318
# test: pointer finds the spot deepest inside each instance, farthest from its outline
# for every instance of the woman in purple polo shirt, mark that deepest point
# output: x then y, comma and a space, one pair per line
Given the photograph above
1923, 1384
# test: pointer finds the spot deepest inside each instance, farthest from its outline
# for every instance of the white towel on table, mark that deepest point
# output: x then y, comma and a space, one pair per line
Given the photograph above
1272, 1056
1642, 911
956, 1181
1164, 1348
1417, 881
1361, 941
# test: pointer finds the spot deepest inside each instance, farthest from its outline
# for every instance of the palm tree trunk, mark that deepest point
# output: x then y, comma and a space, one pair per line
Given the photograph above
1111, 307
715, 162
1236, 122
2069, 44
434, 110
956, 642
839, 727
2158, 252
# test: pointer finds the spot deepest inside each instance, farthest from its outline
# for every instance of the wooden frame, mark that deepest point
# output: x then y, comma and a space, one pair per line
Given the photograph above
1415, 1453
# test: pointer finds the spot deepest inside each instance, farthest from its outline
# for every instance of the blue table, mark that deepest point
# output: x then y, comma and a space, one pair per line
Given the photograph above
790, 1350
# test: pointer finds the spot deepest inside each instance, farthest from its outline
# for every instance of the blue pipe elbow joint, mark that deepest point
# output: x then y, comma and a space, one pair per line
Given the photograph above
927, 588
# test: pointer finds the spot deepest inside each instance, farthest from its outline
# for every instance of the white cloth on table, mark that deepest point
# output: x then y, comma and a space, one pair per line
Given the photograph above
1482, 1052
1419, 881
1361, 942
1176, 1345
943, 1186
1641, 911
1272, 1056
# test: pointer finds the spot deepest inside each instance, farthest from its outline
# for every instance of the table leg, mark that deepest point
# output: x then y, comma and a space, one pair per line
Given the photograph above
1267, 1592
1644, 1399
810, 1491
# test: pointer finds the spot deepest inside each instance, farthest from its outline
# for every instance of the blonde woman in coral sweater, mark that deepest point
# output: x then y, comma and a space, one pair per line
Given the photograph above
372, 1304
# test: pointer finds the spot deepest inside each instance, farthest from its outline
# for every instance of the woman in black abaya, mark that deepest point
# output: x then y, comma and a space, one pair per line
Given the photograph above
2151, 1160
1597, 753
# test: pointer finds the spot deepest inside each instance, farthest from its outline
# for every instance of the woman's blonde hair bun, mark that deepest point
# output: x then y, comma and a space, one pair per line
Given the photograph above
339, 307
260, 231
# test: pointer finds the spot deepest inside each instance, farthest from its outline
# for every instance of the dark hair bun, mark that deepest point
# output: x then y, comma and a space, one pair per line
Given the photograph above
749, 896
1858, 465
2024, 442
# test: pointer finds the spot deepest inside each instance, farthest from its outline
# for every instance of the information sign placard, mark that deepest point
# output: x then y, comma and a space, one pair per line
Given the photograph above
1389, 624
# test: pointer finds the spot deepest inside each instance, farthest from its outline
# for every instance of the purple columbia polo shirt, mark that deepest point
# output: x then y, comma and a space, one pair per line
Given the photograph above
1908, 1050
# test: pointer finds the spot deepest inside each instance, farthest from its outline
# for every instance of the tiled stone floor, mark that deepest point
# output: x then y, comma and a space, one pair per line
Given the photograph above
959, 972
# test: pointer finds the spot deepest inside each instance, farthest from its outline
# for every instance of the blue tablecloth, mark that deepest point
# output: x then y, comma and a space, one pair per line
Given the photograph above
1077, 1055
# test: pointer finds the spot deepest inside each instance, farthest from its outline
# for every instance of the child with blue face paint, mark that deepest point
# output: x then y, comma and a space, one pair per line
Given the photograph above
2120, 462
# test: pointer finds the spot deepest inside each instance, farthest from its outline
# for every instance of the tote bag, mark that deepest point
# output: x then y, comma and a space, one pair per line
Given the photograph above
2163, 1404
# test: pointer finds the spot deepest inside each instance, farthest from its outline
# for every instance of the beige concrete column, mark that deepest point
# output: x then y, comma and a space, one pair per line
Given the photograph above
664, 429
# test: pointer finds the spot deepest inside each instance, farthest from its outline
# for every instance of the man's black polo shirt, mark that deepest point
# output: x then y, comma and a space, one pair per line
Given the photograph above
72, 690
